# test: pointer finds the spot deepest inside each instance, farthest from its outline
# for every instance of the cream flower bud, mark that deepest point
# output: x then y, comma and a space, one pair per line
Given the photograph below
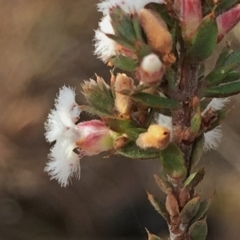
123, 103
158, 36
156, 137
151, 69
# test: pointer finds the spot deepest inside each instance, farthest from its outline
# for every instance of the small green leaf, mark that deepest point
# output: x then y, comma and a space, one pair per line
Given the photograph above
131, 150
203, 207
233, 58
216, 77
198, 231
173, 162
194, 179
222, 57
125, 126
124, 63
223, 90
190, 210
196, 121
162, 184
122, 24
225, 5
197, 150
137, 27
231, 77
154, 101
152, 236
99, 96
158, 206
205, 39
93, 111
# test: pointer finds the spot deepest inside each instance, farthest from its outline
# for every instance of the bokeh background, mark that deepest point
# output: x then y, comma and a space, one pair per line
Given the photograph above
43, 45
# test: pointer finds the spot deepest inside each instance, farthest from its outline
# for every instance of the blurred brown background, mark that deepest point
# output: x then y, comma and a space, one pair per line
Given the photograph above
43, 45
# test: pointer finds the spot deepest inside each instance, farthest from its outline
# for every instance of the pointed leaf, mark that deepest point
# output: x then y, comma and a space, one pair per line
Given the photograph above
223, 90
131, 150
172, 205
94, 111
124, 63
154, 101
152, 236
225, 5
231, 77
203, 207
125, 126
183, 197
122, 24
197, 150
162, 184
222, 57
158, 206
173, 162
198, 231
190, 210
194, 179
196, 121
205, 39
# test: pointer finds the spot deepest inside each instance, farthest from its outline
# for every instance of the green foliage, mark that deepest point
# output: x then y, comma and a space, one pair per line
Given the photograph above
194, 179
173, 161
154, 100
124, 63
99, 97
205, 39
190, 210
131, 150
198, 231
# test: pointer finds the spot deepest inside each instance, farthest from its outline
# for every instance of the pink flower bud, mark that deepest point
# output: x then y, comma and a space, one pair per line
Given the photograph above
94, 137
227, 21
190, 15
151, 69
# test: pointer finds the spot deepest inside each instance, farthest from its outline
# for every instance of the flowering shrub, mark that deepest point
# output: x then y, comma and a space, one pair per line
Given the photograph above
163, 105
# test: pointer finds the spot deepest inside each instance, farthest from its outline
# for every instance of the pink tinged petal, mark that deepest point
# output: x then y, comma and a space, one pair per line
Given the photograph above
227, 21
94, 137
191, 16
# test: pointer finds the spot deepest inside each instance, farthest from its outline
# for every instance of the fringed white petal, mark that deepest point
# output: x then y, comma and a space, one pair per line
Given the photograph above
166, 122
212, 139
63, 162
128, 6
61, 120
216, 104
104, 46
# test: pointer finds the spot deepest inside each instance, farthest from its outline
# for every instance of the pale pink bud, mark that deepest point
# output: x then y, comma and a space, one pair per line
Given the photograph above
190, 12
94, 137
151, 69
227, 21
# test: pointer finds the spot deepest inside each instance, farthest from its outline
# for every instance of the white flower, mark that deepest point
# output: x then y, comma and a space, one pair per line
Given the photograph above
166, 122
61, 120
104, 46
63, 162
128, 6
212, 138
216, 104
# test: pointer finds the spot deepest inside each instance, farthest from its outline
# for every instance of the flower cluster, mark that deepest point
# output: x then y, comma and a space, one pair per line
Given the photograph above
73, 140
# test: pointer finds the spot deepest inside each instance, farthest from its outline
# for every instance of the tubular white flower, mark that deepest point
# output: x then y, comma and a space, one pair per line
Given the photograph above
104, 46
63, 162
216, 104
166, 122
61, 120
128, 6
212, 139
